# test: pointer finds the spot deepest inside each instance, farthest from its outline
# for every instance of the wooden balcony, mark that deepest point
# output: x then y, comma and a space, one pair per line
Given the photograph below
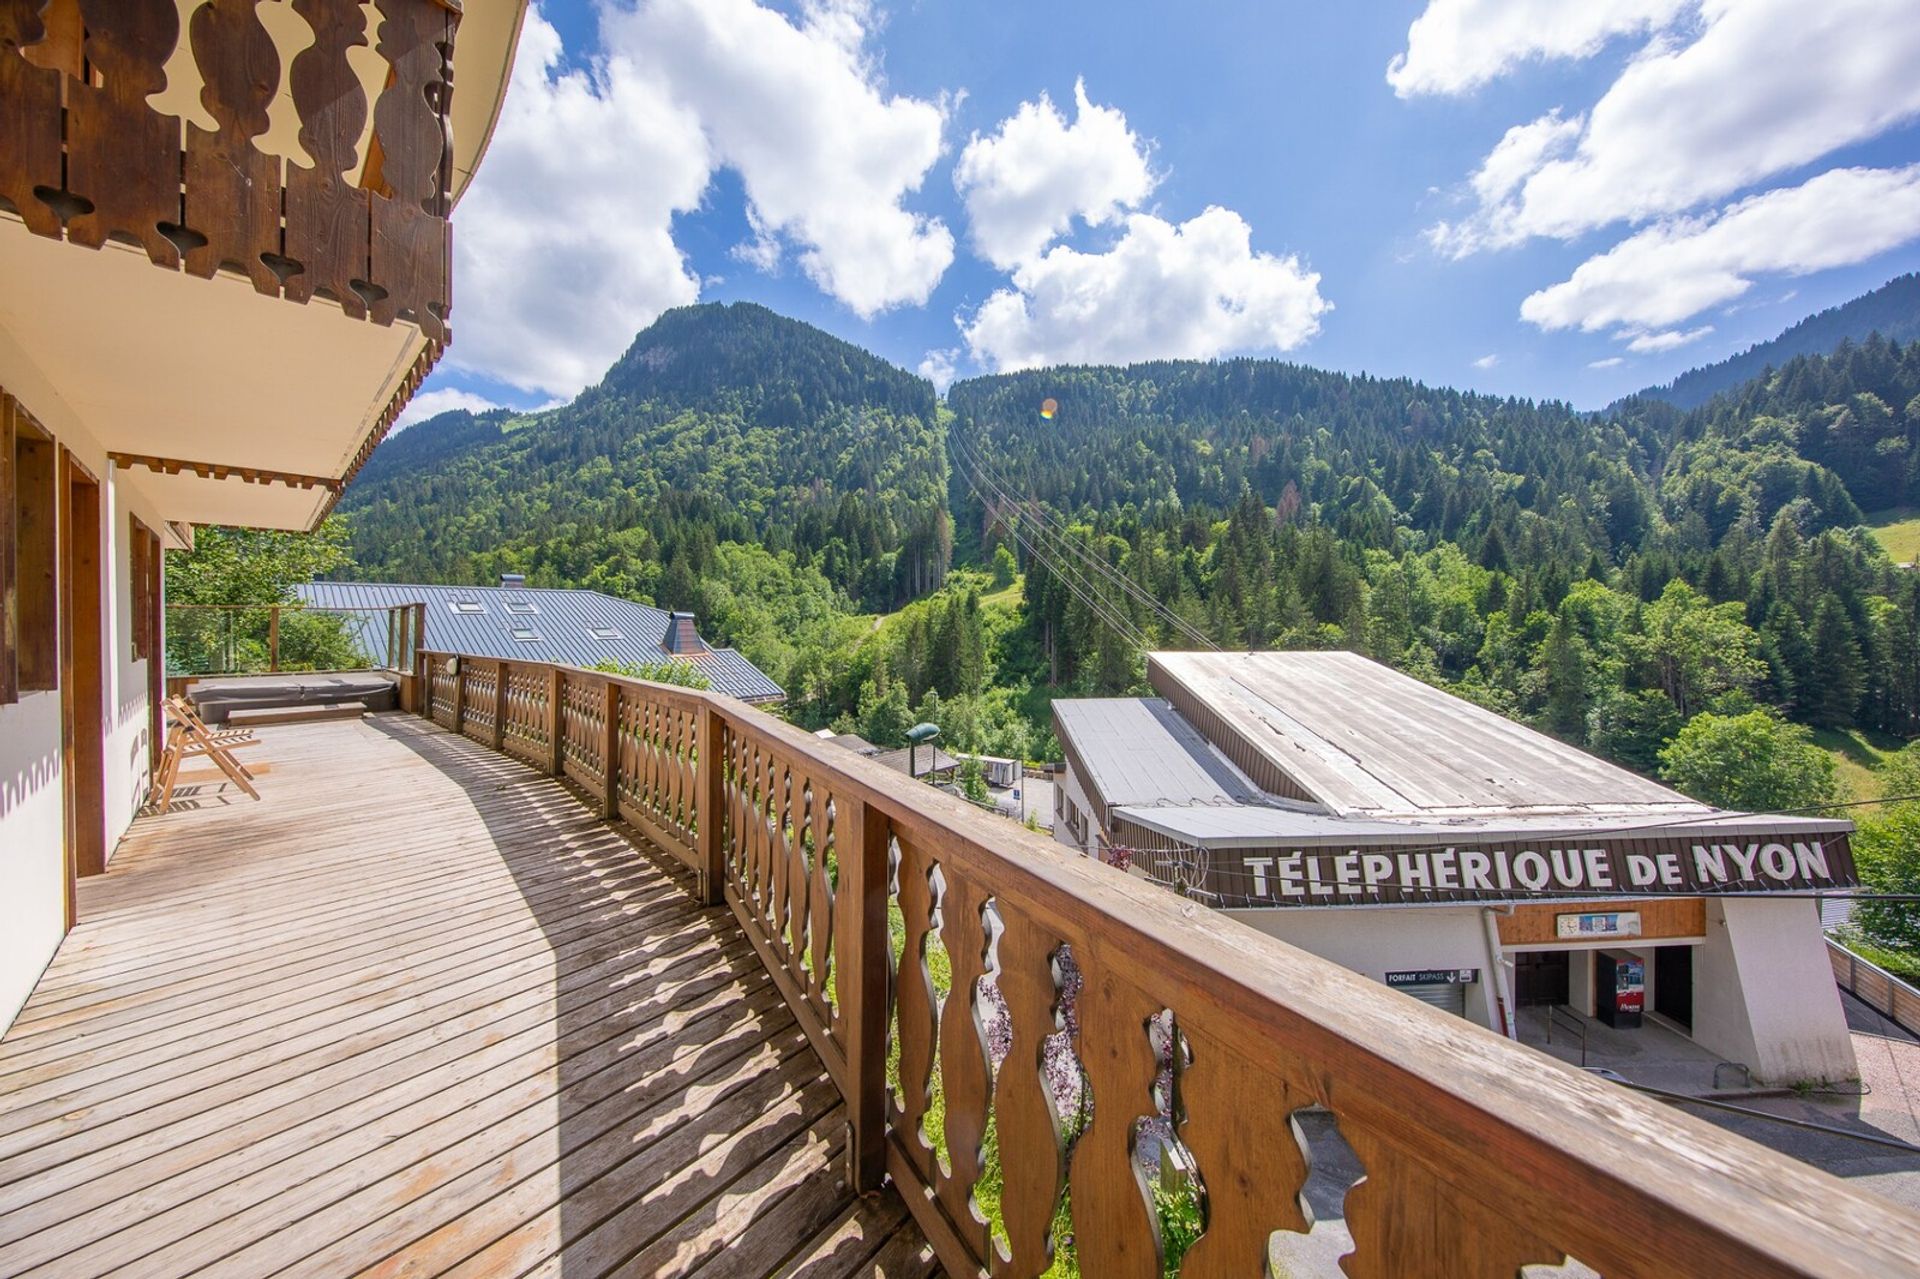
417, 1011
949, 968
425, 1008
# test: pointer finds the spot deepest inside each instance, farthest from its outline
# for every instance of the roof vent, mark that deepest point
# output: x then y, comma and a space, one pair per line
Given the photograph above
681, 638
513, 580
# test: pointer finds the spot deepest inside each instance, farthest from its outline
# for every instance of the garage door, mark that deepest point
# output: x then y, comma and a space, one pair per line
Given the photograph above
1447, 996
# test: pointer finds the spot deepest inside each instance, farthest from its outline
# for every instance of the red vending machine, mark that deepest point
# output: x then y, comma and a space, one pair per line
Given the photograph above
1619, 988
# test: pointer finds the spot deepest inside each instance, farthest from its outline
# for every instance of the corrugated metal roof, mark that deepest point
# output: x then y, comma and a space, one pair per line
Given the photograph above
1365, 739
540, 624
1137, 750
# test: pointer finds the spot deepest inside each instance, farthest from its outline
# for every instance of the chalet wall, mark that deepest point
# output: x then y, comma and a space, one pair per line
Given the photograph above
32, 889
32, 801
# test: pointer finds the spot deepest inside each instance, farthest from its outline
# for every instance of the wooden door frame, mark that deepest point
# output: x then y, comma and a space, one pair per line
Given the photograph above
82, 673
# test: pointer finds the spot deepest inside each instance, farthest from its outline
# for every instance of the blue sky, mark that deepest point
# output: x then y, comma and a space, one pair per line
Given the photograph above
1518, 196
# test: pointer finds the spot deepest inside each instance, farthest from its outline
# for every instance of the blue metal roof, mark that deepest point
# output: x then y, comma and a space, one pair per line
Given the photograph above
541, 624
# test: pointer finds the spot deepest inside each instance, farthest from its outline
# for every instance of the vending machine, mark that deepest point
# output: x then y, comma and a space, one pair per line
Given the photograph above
1619, 988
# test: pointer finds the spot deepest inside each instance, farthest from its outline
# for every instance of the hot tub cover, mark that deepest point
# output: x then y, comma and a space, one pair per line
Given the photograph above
215, 700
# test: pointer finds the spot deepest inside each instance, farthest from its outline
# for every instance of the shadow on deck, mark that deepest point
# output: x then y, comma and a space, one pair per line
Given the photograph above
418, 1011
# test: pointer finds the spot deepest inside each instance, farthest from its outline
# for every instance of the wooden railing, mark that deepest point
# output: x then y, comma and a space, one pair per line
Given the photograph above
257, 639
1049, 1056
1875, 987
84, 154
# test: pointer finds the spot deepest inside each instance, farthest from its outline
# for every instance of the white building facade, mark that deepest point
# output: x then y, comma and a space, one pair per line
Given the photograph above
1448, 852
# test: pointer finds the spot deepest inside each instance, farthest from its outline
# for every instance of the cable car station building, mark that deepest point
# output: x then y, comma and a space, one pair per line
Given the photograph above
1460, 857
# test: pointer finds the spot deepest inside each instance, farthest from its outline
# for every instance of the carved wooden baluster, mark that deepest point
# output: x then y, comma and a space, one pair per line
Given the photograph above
409, 260
797, 882
123, 157
233, 188
766, 776
1246, 1154
966, 1073
1406, 1222
30, 124
780, 852
1032, 1142
820, 902
1113, 1232
914, 1000
740, 854
328, 216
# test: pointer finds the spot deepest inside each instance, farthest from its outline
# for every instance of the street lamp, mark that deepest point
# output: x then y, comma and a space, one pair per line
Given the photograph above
917, 734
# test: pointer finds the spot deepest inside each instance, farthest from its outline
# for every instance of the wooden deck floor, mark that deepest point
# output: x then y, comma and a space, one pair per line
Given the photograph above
417, 1012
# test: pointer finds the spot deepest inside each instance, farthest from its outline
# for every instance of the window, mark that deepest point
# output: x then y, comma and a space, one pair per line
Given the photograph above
525, 634
522, 607
467, 606
604, 633
29, 563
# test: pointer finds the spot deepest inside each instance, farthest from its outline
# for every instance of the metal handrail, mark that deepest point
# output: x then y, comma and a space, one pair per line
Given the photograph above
1579, 1023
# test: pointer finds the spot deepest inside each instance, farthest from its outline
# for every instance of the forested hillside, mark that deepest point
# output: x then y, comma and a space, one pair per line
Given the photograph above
1607, 579
1614, 579
1892, 311
720, 424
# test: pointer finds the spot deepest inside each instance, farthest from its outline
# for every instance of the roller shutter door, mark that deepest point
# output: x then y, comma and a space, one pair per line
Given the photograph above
1446, 996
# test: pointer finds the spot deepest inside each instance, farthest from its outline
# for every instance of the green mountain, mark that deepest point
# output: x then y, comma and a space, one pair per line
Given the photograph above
1610, 578
1892, 311
719, 424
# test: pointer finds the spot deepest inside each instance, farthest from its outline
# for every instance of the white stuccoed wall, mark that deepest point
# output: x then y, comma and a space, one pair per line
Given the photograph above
1377, 942
32, 798
1763, 993
32, 886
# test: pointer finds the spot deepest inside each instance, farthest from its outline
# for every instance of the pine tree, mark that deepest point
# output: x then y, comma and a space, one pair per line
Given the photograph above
1833, 693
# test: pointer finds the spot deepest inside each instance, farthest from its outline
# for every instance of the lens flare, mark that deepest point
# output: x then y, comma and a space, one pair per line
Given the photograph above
1048, 407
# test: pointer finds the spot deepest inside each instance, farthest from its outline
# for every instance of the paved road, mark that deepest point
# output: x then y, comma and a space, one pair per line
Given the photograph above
1890, 1068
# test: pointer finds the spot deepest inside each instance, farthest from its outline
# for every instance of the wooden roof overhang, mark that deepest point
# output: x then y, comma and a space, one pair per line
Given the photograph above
301, 158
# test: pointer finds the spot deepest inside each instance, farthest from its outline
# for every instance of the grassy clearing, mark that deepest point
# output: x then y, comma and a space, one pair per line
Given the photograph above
1008, 597
1857, 754
1898, 530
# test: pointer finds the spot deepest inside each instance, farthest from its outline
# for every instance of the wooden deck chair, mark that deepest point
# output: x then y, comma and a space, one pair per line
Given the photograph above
189, 737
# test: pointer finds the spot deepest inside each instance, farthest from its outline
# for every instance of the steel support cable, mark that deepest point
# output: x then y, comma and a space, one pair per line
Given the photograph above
977, 465
978, 474
1105, 610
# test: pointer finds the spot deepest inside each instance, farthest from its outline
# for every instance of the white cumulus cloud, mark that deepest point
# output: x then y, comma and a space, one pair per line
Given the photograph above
941, 368
565, 248
564, 244
1192, 290
1457, 45
1750, 89
1666, 340
1487, 361
1025, 183
826, 154
444, 399
1661, 276
1611, 362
